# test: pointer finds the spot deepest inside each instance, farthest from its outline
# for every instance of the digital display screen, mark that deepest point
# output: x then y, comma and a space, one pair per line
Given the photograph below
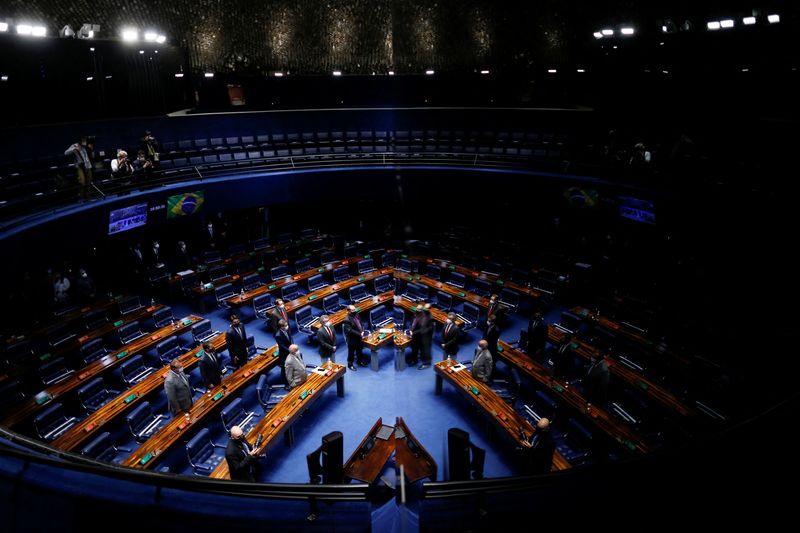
185, 204
637, 209
127, 218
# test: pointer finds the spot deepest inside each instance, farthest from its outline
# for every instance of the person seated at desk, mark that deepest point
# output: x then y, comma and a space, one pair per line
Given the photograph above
242, 458
482, 362
121, 167
295, 367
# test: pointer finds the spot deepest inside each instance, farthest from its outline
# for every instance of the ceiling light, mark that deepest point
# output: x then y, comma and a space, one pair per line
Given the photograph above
209, 74
161, 39
484, 72
581, 70
337, 72
24, 29
130, 34
429, 72
3, 26
150, 36
773, 18
391, 73
279, 74
664, 28
713, 25
627, 31
3, 78
598, 35
607, 32
552, 70
727, 23
179, 74
749, 21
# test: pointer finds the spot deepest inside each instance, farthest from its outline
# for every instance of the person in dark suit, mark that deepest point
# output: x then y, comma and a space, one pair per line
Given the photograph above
236, 339
494, 309
562, 357
295, 367
482, 362
596, 381
427, 339
241, 457
154, 259
326, 337
179, 392
541, 449
451, 334
183, 260
353, 333
492, 336
277, 314
421, 337
210, 366
283, 338
537, 335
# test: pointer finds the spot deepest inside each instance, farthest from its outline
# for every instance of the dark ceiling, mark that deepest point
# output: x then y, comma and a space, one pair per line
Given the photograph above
365, 36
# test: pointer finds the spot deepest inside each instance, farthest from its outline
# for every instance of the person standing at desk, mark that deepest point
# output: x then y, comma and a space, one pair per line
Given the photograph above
326, 337
295, 367
353, 333
277, 314
492, 336
493, 309
210, 366
179, 392
482, 362
242, 458
283, 338
451, 333
541, 449
236, 339
537, 335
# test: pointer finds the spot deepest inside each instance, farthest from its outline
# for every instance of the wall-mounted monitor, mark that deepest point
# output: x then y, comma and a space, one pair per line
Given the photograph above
186, 203
127, 218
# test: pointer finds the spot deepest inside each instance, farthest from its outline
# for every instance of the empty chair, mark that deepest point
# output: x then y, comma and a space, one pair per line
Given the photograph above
378, 317
279, 272
163, 317
358, 293
203, 454
433, 271
457, 279
235, 415
327, 257
482, 288
95, 395
95, 319
130, 332
331, 304
542, 406
262, 305
350, 250
217, 272
305, 319
102, 448
509, 298
11, 394
470, 315
134, 370
444, 301
142, 422
383, 283
188, 282
399, 317
52, 422
235, 249
202, 331
222, 293
169, 349
129, 305
507, 388
316, 282
290, 291
269, 395
251, 281
93, 350
54, 371
570, 321
301, 265
388, 259
416, 292
285, 238
157, 275
251, 349
366, 265
260, 244
212, 256
341, 273
404, 265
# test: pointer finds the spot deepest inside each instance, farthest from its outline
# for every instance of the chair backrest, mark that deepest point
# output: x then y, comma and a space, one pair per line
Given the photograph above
251, 281
58, 334
48, 420
330, 304
403, 264
350, 250
382, 284
458, 279
301, 265
217, 272
212, 256
399, 315
260, 244
366, 265
129, 332
223, 292
471, 311
571, 321
315, 282
163, 317
199, 447
417, 291
262, 390
168, 349
303, 315
93, 350
278, 272
188, 282
235, 249
233, 413
91, 389
326, 257
444, 301
139, 418
376, 315
262, 302
290, 291
10, 394
510, 298
388, 259
131, 368
341, 273
100, 448
482, 287
357, 292
54, 371
201, 329
129, 304
434, 271
95, 319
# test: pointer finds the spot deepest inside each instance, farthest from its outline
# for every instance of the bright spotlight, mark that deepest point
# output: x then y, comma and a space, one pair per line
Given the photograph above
664, 28
727, 23
749, 21
429, 72
552, 71
713, 25
772, 19
90, 78
279, 74
581, 71
3, 78
179, 74
150, 36
161, 39
129, 34
3, 26
391, 73
337, 72
607, 32
24, 29
627, 31
209, 74
484, 72
597, 35
38, 31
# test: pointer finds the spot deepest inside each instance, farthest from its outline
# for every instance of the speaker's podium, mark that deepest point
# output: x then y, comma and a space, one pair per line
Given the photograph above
325, 463
464, 459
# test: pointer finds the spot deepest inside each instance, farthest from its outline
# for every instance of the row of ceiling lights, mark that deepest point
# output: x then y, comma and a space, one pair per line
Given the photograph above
87, 31
711, 25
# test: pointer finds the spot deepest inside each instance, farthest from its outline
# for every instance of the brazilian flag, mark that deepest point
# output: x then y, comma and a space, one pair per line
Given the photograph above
185, 204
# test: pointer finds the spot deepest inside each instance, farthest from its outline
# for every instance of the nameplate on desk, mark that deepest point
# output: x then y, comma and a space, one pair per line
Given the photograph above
122, 354
457, 368
151, 308
272, 286
643, 385
83, 339
275, 353
452, 267
155, 337
83, 375
260, 269
45, 357
187, 321
502, 416
183, 425
474, 390
42, 398
410, 278
146, 459
129, 399
200, 354
313, 296
584, 313
462, 294
85, 309
404, 256
558, 388
361, 278
89, 428
303, 395
217, 396
321, 269
529, 366
247, 374
358, 309
277, 422
499, 282
208, 286
499, 348
118, 323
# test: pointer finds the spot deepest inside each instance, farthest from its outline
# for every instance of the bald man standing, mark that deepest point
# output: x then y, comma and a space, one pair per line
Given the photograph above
542, 448
241, 457
294, 367
482, 362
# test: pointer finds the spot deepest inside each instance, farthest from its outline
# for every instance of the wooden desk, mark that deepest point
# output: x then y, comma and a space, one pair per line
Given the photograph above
179, 428
444, 287
417, 463
367, 466
599, 416
96, 368
376, 339
289, 409
495, 408
437, 314
95, 422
